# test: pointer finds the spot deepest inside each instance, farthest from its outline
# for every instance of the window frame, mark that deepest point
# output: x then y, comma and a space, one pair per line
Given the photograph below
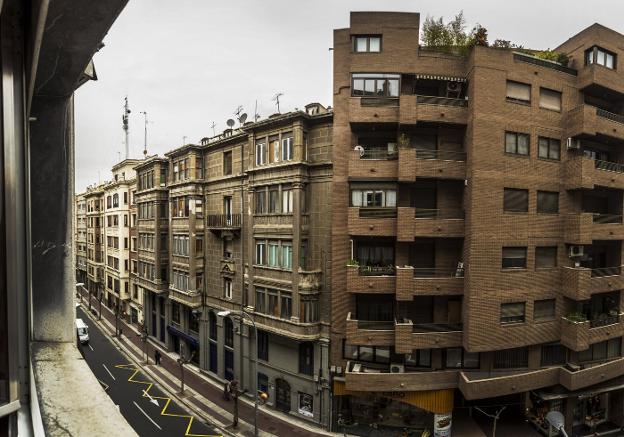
550, 142
517, 100
517, 191
548, 318
368, 38
545, 90
517, 136
510, 320
541, 210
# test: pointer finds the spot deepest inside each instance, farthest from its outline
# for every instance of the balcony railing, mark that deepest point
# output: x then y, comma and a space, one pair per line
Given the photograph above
609, 166
436, 327
377, 212
224, 220
618, 118
602, 272
379, 154
423, 213
377, 271
604, 321
444, 101
446, 155
426, 272
607, 218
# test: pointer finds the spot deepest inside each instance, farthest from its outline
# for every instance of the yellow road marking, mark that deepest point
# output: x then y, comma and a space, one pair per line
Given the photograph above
167, 400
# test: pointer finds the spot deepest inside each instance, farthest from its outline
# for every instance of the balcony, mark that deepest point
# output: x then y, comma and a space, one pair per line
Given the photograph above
418, 222
359, 377
192, 299
592, 121
579, 283
375, 165
444, 164
582, 172
156, 286
591, 375
412, 282
432, 109
373, 110
371, 279
410, 336
481, 385
224, 221
585, 227
578, 335
371, 221
599, 76
369, 333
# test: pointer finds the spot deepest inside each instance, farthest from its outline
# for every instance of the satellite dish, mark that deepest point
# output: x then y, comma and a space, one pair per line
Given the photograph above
557, 421
242, 118
359, 149
230, 122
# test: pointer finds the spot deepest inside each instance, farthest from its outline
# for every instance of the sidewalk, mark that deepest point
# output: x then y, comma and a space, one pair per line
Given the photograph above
202, 395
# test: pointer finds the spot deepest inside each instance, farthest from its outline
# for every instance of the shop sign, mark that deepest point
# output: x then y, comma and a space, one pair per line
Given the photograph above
442, 425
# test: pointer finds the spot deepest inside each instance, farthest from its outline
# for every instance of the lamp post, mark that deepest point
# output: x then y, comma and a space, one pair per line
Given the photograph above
143, 336
79, 284
557, 421
100, 297
242, 314
182, 361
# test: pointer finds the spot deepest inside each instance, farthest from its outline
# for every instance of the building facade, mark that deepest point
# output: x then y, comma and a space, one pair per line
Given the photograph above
477, 229
80, 242
94, 198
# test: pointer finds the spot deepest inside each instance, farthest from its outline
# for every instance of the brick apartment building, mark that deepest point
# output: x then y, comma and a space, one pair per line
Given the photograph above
477, 229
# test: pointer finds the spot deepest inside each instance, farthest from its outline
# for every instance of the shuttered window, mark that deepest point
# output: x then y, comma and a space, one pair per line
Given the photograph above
518, 92
544, 310
517, 143
512, 312
511, 358
547, 202
514, 257
515, 200
545, 257
550, 99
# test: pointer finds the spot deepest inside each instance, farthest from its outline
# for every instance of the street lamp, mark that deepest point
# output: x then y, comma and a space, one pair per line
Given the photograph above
79, 284
557, 421
242, 314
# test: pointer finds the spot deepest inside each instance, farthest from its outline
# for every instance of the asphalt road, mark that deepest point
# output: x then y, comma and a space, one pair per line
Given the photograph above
149, 410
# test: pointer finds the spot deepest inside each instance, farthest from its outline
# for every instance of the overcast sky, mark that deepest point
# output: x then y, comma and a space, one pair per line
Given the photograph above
190, 63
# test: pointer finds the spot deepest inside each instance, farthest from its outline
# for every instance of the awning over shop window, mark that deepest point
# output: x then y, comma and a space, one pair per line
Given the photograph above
434, 401
175, 331
436, 77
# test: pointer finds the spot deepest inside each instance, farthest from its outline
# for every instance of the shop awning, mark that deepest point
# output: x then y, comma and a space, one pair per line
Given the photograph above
562, 393
438, 77
434, 401
175, 331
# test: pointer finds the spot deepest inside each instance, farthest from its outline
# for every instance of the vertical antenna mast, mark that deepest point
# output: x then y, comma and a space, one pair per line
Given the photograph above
145, 136
126, 127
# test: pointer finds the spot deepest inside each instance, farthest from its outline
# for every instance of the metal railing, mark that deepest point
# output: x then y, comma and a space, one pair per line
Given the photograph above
607, 218
377, 271
424, 213
442, 101
379, 154
425, 272
618, 118
377, 212
609, 166
445, 155
604, 321
436, 327
224, 220
602, 272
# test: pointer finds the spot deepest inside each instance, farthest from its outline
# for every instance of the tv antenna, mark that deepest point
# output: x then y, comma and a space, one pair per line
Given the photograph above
145, 135
276, 100
230, 123
256, 115
213, 125
238, 111
126, 126
184, 140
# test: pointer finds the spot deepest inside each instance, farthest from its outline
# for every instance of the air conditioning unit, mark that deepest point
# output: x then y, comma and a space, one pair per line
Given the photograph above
397, 368
573, 144
576, 251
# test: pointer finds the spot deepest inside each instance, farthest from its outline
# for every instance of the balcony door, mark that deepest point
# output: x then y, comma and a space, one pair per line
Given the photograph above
227, 209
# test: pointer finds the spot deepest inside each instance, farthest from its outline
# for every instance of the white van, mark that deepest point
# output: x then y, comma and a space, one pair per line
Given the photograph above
83, 331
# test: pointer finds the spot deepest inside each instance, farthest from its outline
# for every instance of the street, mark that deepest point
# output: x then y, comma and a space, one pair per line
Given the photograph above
148, 409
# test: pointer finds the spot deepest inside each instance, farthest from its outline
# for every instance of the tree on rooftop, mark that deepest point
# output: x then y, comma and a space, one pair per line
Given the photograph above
437, 34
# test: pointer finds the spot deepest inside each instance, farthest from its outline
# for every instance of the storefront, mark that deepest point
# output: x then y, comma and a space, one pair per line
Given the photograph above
393, 413
191, 343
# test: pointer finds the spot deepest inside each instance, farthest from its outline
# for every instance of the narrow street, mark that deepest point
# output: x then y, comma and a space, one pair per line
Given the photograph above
149, 410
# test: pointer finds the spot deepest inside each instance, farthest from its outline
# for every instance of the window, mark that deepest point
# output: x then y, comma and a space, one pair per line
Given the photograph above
371, 44
175, 312
602, 351
260, 196
550, 99
514, 257
212, 326
547, 202
227, 163
517, 143
600, 56
193, 321
512, 312
274, 148
274, 199
458, 358
229, 332
548, 148
260, 300
518, 92
554, 354
544, 310
306, 405
309, 309
287, 148
545, 257
515, 200
263, 383
306, 358
511, 358
115, 200
263, 346
373, 197
287, 200
261, 153
273, 254
287, 253
373, 354
199, 167
285, 305
375, 85
227, 248
418, 358
260, 250
227, 288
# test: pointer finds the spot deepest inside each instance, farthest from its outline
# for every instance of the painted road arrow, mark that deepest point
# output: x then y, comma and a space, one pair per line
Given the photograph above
152, 400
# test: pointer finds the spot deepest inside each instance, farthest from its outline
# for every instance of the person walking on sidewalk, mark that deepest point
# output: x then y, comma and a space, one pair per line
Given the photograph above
157, 357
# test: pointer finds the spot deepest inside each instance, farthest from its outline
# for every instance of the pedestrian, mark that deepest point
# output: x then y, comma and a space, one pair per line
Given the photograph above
120, 333
157, 357
226, 391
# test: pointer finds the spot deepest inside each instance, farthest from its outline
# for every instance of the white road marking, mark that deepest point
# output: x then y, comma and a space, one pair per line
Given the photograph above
152, 400
109, 372
90, 347
151, 420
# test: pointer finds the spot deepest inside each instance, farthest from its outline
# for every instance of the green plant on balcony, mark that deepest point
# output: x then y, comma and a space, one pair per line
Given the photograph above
404, 140
576, 317
353, 263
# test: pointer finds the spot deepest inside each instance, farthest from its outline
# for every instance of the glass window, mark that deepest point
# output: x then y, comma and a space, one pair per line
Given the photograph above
285, 305
260, 249
229, 332
287, 200
550, 99
544, 310
454, 358
514, 257
227, 163
175, 312
261, 153
306, 358
518, 92
549, 148
274, 199
547, 202
515, 200
600, 56
554, 354
419, 358
287, 252
273, 254
517, 143
545, 257
261, 207
227, 288
512, 312
260, 300
263, 346
287, 148
363, 44
511, 358
375, 85
306, 405
374, 44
